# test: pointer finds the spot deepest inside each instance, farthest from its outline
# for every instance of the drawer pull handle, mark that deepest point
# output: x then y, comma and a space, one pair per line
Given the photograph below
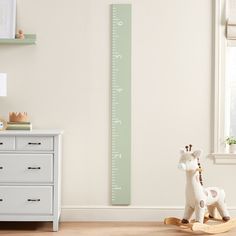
34, 200
1, 143
1, 167
1, 200
34, 168
34, 143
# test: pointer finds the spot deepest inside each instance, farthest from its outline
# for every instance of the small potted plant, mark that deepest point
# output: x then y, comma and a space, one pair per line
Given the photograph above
231, 141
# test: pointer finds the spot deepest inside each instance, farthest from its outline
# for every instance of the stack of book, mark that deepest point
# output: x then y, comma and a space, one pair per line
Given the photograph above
19, 126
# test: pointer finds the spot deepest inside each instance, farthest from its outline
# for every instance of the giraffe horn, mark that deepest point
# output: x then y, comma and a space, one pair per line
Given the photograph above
186, 147
190, 147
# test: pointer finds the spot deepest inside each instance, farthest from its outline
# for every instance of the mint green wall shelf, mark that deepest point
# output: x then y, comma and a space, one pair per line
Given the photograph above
29, 39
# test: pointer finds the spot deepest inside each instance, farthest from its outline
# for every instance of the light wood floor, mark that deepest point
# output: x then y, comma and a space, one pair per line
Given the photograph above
94, 229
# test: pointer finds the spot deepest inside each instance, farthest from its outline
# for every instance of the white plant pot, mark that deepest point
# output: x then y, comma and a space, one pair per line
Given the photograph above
232, 148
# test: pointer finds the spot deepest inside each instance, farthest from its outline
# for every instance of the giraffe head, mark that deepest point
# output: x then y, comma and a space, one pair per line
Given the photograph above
189, 160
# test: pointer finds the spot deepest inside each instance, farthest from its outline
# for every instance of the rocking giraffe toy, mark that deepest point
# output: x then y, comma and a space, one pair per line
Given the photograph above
200, 199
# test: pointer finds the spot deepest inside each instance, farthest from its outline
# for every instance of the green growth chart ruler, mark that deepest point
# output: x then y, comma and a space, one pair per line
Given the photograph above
121, 103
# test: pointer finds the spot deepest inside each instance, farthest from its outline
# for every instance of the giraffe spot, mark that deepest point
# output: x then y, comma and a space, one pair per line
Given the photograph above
213, 193
202, 204
206, 193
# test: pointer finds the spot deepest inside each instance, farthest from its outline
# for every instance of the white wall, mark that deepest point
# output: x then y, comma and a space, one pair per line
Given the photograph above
64, 82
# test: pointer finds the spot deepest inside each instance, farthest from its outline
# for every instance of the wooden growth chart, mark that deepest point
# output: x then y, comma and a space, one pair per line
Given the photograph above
121, 103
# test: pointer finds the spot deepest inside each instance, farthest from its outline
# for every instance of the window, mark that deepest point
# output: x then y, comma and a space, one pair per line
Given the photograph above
230, 94
225, 72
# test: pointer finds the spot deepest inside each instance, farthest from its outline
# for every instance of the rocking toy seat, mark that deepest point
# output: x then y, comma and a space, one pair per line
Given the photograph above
205, 228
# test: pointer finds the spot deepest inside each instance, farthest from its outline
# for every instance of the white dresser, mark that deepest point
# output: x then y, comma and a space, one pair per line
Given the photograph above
30, 173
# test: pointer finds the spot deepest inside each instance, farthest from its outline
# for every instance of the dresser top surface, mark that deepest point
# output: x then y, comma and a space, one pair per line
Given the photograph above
39, 132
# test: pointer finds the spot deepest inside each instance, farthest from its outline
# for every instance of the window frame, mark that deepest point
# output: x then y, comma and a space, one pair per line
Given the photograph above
219, 78
219, 152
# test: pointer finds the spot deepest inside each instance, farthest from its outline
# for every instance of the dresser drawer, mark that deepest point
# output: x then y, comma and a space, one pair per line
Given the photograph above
7, 143
26, 168
25, 200
34, 143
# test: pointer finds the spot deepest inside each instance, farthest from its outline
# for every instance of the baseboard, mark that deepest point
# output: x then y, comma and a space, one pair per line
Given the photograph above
119, 213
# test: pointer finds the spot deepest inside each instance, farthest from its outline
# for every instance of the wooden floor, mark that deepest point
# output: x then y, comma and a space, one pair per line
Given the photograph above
94, 229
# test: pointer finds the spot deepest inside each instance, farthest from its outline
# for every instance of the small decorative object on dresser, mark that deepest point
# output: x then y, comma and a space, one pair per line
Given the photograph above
3, 124
30, 176
18, 121
231, 142
18, 117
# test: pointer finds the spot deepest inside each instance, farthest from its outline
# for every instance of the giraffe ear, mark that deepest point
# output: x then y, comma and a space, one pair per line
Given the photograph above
197, 153
182, 152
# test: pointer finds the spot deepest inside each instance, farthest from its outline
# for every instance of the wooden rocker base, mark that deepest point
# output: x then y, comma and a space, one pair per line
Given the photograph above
205, 228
